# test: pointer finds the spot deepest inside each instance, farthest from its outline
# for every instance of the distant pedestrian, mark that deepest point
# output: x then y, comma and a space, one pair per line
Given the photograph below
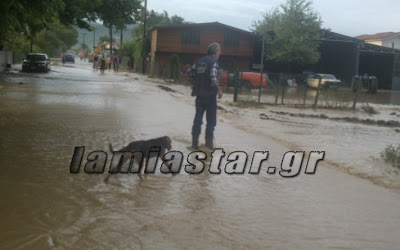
109, 60
102, 65
63, 57
114, 58
130, 65
81, 55
95, 61
116, 63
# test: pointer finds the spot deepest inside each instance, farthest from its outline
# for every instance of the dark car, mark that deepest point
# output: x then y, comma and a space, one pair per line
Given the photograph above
36, 62
68, 57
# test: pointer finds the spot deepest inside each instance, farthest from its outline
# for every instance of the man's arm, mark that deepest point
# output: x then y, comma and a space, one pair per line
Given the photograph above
214, 79
191, 72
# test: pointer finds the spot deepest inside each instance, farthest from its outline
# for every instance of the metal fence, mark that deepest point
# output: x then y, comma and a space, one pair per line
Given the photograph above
295, 90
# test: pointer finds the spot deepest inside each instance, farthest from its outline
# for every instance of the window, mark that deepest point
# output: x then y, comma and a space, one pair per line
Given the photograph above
191, 37
231, 40
34, 57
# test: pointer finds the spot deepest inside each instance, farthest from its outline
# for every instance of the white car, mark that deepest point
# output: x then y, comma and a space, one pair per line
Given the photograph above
327, 80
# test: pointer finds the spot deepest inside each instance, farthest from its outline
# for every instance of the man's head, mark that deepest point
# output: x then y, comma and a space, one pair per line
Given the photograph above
214, 49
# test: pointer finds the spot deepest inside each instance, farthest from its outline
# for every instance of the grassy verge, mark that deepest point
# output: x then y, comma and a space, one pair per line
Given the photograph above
392, 155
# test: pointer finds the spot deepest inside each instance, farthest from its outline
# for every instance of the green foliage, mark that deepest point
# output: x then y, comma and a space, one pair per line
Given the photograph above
153, 19
119, 13
128, 48
84, 47
174, 66
392, 155
31, 17
291, 32
105, 38
53, 40
79, 12
26, 16
19, 44
56, 39
174, 20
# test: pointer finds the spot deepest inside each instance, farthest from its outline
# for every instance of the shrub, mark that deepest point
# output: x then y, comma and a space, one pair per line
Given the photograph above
392, 155
174, 67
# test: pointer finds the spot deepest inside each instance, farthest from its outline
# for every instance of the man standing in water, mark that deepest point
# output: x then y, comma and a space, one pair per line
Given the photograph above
206, 88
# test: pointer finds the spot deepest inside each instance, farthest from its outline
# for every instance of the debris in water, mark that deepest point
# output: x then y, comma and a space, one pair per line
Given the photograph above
168, 89
390, 123
264, 116
370, 110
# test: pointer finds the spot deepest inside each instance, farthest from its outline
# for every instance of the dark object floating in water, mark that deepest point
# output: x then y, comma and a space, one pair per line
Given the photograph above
166, 89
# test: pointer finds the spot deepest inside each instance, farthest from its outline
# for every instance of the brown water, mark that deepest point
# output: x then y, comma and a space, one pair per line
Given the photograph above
44, 206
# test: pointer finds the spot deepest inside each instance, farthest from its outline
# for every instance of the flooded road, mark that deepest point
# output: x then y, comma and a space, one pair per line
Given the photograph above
43, 117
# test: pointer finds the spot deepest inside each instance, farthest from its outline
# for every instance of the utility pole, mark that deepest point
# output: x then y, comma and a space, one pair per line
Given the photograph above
261, 71
83, 44
120, 40
94, 37
144, 38
111, 40
46, 41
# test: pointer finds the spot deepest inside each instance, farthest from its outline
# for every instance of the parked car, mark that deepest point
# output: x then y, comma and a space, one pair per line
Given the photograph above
36, 62
327, 80
247, 79
68, 57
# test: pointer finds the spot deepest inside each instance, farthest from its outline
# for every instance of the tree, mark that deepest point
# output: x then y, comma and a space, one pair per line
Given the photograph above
128, 49
56, 38
52, 40
292, 33
176, 20
84, 47
118, 13
142, 48
27, 17
30, 17
157, 19
79, 12
105, 38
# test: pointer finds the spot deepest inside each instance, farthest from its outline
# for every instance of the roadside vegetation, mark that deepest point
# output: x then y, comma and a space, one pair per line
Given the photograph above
47, 26
291, 32
141, 45
391, 154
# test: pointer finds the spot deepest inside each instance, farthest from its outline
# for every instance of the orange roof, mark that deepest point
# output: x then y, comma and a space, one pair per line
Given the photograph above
378, 36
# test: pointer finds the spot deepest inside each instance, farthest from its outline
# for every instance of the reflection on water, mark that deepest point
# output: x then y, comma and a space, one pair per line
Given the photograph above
43, 205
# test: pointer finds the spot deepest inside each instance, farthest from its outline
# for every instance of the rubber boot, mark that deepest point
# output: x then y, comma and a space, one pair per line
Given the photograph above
195, 142
209, 143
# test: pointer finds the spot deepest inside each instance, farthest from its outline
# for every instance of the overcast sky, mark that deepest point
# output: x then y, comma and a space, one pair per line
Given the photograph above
348, 17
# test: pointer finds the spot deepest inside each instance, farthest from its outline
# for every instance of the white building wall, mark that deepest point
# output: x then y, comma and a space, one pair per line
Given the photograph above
6, 57
390, 41
374, 42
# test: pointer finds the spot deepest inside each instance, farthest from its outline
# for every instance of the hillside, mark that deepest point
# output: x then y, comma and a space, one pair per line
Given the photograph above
87, 35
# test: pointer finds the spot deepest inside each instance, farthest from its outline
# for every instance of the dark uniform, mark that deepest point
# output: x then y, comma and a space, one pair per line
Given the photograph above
206, 99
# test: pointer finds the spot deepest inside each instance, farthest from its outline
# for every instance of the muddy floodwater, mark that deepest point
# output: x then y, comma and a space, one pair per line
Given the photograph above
351, 202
